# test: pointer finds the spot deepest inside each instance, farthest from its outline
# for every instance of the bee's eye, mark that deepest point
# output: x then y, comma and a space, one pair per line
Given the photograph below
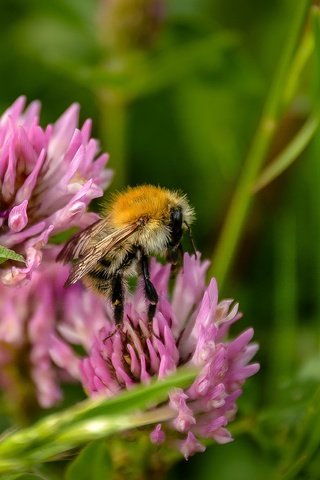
176, 216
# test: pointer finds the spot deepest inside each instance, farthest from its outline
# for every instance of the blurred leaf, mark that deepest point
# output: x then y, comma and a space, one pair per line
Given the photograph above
310, 370
55, 40
81, 14
7, 254
138, 75
93, 463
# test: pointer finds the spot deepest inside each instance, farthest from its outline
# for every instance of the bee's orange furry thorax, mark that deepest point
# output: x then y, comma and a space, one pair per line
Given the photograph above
143, 201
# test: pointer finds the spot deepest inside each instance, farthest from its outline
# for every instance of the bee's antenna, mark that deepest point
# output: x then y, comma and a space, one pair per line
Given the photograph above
191, 239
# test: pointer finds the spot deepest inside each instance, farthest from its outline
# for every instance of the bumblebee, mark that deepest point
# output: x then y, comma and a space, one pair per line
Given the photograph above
137, 223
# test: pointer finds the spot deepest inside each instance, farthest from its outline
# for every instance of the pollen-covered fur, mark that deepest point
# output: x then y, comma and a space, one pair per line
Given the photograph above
144, 201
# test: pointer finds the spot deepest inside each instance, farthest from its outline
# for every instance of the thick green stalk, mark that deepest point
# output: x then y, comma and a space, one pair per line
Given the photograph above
241, 200
113, 131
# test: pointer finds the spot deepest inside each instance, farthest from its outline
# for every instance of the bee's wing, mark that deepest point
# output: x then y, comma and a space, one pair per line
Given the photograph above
78, 244
93, 254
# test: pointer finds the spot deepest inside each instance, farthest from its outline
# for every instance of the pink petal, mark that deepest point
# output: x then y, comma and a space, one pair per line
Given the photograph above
157, 435
190, 446
18, 218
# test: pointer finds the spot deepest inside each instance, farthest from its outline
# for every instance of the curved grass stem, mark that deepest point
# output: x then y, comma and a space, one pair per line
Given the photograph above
288, 155
240, 203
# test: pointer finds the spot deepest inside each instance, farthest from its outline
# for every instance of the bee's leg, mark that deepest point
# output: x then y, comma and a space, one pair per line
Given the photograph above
117, 329
149, 289
191, 239
176, 256
117, 297
117, 290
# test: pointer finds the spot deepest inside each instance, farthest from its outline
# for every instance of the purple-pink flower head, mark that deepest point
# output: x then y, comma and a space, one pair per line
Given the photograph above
190, 328
39, 323
48, 176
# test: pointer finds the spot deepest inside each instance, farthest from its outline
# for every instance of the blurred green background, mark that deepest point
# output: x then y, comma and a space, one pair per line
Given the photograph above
175, 96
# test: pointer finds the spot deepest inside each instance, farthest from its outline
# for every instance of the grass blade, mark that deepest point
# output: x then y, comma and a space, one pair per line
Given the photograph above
89, 420
288, 155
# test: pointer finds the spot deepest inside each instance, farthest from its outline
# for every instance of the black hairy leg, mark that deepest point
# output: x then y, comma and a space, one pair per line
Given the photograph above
117, 297
117, 293
149, 289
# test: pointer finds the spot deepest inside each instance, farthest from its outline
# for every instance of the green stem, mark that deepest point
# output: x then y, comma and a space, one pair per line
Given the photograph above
302, 56
113, 131
241, 200
288, 155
